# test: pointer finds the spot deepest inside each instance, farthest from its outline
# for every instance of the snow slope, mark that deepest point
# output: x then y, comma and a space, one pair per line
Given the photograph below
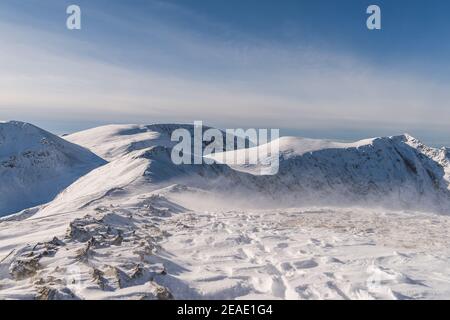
36, 165
114, 141
140, 227
396, 172
393, 172
150, 247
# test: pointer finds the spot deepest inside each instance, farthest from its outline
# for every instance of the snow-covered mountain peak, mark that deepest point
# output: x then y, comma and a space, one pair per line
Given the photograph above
114, 141
300, 146
36, 165
131, 226
408, 139
15, 136
398, 170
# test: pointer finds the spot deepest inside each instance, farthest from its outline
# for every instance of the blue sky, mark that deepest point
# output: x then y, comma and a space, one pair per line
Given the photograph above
311, 68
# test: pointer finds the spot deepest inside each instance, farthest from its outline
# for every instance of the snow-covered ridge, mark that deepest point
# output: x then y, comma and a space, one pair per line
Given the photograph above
396, 172
141, 227
300, 146
36, 165
114, 141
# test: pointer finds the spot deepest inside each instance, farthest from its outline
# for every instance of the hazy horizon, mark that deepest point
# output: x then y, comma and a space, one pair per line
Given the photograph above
340, 136
309, 68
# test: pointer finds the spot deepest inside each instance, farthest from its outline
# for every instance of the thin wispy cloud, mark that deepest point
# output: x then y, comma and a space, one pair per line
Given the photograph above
182, 74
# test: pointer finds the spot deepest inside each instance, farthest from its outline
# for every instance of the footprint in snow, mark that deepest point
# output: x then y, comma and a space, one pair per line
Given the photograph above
282, 245
306, 264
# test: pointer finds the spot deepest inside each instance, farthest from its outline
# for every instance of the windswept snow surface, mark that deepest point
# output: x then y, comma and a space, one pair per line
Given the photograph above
150, 247
367, 220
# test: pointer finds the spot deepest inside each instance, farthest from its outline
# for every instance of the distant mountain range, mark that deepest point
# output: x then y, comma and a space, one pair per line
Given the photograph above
106, 214
38, 168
